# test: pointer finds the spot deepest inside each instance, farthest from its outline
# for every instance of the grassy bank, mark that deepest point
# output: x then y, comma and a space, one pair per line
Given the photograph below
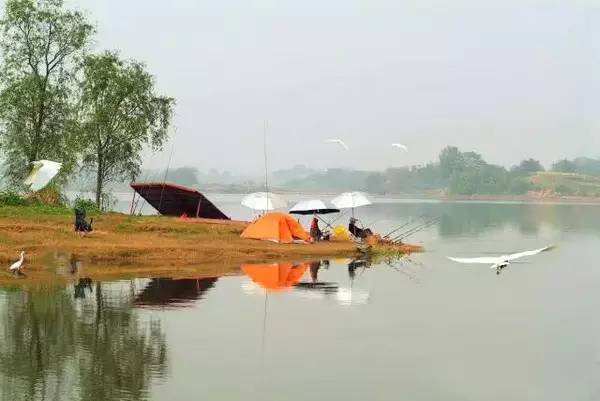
568, 184
123, 244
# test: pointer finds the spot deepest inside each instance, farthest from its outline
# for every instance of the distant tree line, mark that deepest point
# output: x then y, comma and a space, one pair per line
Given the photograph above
580, 165
455, 171
59, 101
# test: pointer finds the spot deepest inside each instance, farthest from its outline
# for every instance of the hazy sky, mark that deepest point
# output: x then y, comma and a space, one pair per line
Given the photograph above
509, 79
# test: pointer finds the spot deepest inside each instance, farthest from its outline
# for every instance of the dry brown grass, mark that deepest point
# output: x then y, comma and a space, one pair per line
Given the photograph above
124, 246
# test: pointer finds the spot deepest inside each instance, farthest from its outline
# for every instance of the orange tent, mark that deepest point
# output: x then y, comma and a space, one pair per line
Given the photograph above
275, 276
277, 227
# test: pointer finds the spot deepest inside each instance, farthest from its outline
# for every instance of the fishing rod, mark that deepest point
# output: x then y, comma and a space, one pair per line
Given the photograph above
401, 227
167, 170
417, 229
410, 229
324, 221
414, 229
370, 224
342, 214
396, 230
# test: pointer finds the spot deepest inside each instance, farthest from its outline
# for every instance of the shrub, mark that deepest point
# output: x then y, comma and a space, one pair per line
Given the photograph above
86, 204
563, 189
47, 196
11, 198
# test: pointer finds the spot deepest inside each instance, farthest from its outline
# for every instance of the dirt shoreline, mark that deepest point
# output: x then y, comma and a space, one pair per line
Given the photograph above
160, 246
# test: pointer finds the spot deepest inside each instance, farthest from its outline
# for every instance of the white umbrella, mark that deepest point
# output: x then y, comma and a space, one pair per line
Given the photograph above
350, 200
263, 201
42, 173
313, 206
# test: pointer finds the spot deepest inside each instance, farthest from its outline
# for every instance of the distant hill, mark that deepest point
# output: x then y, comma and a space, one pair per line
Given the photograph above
567, 184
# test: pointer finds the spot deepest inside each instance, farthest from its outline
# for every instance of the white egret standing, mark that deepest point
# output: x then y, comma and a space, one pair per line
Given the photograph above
500, 262
16, 267
400, 146
339, 142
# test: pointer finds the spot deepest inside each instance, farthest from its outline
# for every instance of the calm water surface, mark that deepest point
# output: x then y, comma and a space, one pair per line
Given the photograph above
422, 329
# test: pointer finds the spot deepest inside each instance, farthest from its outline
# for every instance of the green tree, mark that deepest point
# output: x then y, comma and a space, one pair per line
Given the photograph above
528, 166
120, 115
451, 161
375, 183
184, 175
585, 165
564, 166
41, 43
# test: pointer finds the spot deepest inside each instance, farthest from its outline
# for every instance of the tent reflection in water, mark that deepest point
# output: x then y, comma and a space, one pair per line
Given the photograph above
276, 227
275, 276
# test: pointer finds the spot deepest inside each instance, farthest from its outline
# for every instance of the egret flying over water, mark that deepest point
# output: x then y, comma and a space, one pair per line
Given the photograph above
42, 173
400, 146
16, 267
339, 142
500, 262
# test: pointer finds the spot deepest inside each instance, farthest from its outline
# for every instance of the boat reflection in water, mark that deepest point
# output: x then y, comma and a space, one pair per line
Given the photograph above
279, 277
167, 292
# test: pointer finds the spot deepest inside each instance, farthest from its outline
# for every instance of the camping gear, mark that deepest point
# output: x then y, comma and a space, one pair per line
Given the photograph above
264, 201
275, 276
340, 233
276, 227
313, 206
176, 200
41, 174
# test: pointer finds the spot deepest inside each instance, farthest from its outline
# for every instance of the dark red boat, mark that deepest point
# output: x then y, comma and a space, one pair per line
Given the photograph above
176, 200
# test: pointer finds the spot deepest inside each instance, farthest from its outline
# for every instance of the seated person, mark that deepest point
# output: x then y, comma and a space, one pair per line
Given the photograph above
82, 226
358, 232
315, 232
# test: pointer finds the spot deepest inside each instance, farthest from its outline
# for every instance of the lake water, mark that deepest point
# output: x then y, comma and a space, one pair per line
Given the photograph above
420, 329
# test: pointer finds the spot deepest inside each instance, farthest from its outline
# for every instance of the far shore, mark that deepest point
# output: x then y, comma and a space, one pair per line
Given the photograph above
532, 197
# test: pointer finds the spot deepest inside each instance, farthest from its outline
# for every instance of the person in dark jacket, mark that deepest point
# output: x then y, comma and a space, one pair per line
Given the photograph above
315, 232
358, 232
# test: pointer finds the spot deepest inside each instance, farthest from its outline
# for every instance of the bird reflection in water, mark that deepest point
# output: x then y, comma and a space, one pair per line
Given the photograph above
74, 264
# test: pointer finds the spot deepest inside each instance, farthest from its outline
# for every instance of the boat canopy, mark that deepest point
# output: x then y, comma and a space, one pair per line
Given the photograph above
176, 200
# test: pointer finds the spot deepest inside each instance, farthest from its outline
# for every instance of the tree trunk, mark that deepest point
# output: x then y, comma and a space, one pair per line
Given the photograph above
99, 183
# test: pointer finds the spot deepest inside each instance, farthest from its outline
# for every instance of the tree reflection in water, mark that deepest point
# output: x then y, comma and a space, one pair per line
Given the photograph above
53, 346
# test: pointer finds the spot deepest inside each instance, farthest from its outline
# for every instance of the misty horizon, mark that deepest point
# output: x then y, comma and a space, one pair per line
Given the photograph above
509, 81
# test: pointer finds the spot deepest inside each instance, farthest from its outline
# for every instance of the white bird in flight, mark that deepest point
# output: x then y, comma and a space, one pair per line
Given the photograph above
500, 262
42, 173
16, 267
339, 142
400, 146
